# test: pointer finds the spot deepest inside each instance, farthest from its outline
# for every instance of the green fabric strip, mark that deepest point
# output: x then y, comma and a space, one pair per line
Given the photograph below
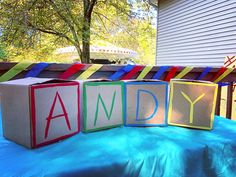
144, 72
19, 67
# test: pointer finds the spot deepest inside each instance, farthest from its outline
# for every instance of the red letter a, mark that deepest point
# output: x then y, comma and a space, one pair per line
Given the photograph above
50, 116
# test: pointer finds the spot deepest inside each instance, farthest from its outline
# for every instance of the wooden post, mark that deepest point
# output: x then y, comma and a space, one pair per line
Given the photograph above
229, 101
218, 101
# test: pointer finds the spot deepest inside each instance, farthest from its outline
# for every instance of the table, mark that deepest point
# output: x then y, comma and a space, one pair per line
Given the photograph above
129, 151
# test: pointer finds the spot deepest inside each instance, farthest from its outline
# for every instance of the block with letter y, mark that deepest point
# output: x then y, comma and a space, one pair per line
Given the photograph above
103, 105
192, 103
146, 103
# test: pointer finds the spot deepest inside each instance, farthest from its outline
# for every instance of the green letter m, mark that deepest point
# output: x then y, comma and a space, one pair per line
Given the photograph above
104, 107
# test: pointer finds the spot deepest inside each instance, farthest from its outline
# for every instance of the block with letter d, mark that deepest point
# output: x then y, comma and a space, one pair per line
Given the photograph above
38, 111
146, 103
103, 105
192, 103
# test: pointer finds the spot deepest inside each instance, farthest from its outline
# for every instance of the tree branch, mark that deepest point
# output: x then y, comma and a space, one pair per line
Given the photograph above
75, 36
53, 32
91, 6
100, 14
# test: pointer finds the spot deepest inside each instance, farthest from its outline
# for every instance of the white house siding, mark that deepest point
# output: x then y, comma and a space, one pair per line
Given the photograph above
196, 32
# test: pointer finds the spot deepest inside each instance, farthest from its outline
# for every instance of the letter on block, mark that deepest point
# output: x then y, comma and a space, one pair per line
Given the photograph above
50, 117
146, 103
192, 103
103, 105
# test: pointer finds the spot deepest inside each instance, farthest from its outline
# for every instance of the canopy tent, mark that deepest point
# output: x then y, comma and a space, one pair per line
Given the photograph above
109, 52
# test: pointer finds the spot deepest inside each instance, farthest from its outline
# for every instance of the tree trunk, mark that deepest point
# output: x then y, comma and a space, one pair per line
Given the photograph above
86, 35
86, 45
79, 52
88, 8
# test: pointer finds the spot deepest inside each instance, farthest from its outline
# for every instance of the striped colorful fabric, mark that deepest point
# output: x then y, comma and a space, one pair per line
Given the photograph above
171, 74
204, 73
118, 74
219, 73
90, 71
134, 71
160, 72
74, 68
185, 71
36, 69
18, 68
144, 72
222, 76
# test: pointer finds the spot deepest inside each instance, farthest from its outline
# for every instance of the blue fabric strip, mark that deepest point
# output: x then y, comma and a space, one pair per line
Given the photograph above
204, 73
223, 84
36, 69
121, 72
159, 73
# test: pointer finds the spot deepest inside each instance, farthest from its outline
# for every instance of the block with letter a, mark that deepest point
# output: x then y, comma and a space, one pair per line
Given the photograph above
43, 110
192, 103
146, 103
103, 105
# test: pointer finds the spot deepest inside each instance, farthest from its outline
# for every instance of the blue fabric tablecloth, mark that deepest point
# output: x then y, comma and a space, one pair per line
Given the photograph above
124, 151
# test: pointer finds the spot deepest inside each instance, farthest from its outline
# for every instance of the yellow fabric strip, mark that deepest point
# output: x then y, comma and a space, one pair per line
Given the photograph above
144, 72
185, 71
87, 73
19, 67
226, 73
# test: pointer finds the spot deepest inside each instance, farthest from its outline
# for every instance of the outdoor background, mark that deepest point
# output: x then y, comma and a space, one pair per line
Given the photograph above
33, 30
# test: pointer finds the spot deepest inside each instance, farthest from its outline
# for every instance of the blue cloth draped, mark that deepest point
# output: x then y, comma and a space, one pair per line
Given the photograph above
129, 151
